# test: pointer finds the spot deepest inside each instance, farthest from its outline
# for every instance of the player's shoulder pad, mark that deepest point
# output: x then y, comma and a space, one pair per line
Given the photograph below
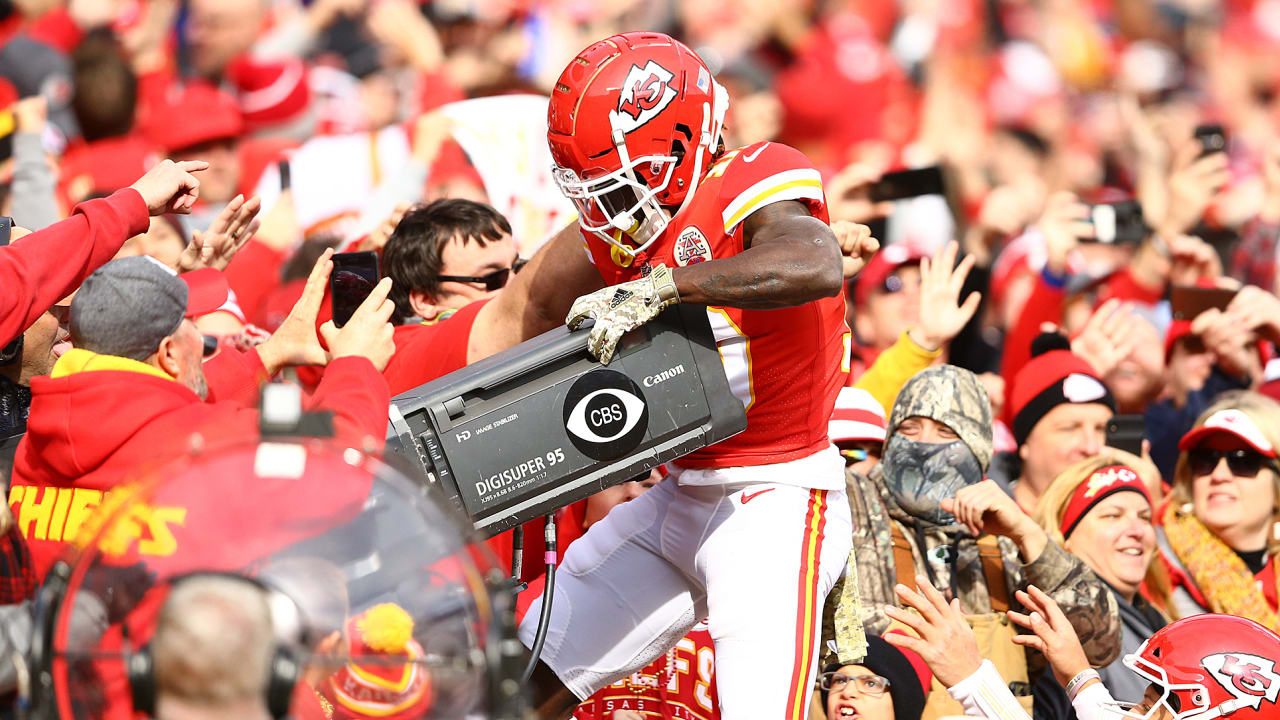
761, 174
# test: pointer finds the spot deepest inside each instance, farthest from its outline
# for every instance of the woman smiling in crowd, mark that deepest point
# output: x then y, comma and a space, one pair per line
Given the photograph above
1101, 510
1218, 533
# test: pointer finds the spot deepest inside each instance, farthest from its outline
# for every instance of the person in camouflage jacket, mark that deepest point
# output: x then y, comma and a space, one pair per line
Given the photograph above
907, 489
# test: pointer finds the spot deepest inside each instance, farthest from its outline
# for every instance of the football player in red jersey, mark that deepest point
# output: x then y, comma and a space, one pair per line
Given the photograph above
752, 532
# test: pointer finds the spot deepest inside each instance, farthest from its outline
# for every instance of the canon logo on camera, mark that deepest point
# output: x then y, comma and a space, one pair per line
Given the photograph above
605, 414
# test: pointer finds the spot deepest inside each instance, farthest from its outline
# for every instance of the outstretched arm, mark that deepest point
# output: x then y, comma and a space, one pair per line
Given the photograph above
790, 258
537, 298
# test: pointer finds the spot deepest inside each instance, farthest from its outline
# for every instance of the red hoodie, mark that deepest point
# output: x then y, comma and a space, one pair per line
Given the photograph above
45, 266
91, 430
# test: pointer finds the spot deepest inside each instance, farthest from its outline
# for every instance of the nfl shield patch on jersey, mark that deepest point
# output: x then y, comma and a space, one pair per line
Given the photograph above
691, 247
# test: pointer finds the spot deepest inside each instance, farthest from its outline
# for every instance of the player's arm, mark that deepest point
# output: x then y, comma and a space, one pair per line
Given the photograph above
790, 258
537, 298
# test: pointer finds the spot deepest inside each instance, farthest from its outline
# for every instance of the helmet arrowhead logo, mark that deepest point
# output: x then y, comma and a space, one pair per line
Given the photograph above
1249, 678
645, 93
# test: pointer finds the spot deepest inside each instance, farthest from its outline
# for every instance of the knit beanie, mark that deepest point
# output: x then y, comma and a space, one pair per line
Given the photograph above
908, 675
1049, 380
383, 676
954, 397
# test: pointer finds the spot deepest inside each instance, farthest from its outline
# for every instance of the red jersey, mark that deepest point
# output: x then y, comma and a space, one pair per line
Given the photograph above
785, 365
679, 685
430, 350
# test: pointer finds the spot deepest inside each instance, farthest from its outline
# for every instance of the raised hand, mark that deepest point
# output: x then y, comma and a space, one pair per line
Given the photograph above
849, 198
1257, 310
231, 230
369, 333
856, 246
942, 315
946, 642
1192, 259
1054, 637
1230, 337
295, 342
986, 508
1193, 184
1107, 337
1063, 223
170, 187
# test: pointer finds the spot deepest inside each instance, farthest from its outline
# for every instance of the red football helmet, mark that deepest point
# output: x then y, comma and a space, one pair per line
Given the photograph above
633, 123
1212, 666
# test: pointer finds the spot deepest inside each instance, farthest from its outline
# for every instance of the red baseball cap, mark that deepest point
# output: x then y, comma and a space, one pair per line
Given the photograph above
270, 92
207, 291
1232, 422
882, 266
194, 114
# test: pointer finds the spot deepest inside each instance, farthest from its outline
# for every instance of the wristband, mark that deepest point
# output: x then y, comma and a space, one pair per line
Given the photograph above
664, 285
1077, 682
1053, 280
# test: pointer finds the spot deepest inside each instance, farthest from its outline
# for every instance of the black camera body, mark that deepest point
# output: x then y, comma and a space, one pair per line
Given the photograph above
543, 424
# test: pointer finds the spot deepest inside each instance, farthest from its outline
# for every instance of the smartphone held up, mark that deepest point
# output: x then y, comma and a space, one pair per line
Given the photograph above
354, 276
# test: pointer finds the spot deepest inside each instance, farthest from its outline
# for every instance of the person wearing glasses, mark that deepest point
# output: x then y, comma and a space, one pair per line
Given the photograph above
1218, 535
446, 255
889, 684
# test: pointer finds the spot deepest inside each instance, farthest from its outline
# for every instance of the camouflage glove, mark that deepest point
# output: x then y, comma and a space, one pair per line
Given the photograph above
619, 309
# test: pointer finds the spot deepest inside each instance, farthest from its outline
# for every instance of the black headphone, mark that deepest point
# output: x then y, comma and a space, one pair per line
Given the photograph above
283, 672
13, 349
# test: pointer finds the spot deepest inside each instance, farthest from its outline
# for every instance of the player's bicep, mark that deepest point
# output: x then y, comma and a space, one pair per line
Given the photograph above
783, 221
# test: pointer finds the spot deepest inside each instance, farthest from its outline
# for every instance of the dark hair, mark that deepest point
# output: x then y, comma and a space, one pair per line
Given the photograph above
299, 266
106, 90
414, 254
1028, 139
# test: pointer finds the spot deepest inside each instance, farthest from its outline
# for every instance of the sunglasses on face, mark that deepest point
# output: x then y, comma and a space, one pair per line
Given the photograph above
1241, 462
873, 685
495, 280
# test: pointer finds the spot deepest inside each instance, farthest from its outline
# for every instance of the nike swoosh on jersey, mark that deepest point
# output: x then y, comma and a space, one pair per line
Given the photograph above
748, 498
754, 155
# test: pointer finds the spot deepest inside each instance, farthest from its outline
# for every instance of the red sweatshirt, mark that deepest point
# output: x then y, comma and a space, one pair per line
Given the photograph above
91, 430
1043, 306
45, 266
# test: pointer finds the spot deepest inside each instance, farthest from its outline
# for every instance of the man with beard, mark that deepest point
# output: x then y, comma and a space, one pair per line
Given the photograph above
926, 511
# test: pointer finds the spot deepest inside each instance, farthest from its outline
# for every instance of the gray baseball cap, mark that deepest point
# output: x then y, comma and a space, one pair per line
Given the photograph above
128, 306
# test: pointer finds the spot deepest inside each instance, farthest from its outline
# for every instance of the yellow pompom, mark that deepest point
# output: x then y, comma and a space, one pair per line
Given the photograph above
386, 628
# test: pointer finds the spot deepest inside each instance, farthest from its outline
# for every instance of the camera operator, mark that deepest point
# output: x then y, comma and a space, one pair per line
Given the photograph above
212, 650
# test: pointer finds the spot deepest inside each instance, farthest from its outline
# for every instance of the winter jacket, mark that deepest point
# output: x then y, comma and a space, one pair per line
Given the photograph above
101, 420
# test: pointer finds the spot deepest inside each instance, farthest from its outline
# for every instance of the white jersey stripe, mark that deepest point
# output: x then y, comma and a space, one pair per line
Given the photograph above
798, 183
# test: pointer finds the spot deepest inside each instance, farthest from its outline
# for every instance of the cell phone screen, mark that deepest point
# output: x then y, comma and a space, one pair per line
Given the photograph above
354, 275
908, 184
286, 176
1188, 301
1125, 432
1213, 138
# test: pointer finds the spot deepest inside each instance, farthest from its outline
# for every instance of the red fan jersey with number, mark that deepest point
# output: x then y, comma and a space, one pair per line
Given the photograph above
679, 685
785, 365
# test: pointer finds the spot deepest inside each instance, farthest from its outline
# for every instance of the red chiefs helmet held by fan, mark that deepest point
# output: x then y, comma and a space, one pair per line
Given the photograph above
633, 124
1212, 666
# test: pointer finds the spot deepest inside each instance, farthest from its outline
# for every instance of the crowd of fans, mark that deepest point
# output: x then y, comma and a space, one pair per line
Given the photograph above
1057, 442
